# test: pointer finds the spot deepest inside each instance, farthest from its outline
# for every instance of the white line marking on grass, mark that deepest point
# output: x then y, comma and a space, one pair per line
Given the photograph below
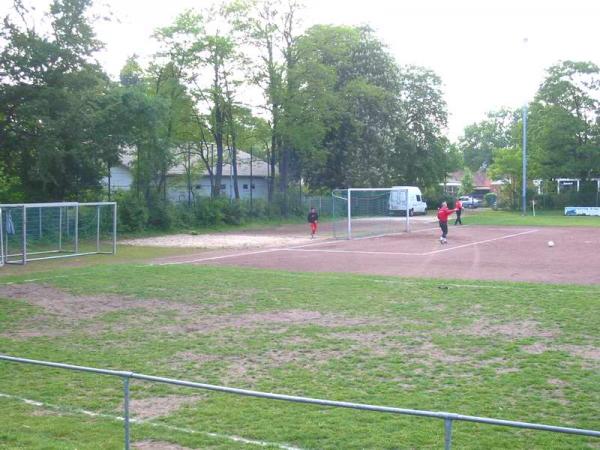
508, 236
78, 411
33, 280
213, 258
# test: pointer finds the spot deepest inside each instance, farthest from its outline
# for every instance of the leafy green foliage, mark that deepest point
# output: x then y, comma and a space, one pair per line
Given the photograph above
51, 99
565, 122
364, 121
466, 185
481, 139
507, 167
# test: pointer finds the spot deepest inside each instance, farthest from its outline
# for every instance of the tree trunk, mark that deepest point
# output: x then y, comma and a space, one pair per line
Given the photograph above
236, 188
109, 182
218, 128
189, 175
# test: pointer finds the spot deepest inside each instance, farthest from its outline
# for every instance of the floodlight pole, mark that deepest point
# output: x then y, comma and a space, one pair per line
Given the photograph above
524, 156
349, 213
524, 186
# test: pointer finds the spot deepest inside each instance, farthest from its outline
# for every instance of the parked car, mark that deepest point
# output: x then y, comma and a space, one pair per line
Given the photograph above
470, 202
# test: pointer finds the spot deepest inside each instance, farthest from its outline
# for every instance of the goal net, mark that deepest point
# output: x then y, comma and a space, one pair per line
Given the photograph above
368, 212
34, 231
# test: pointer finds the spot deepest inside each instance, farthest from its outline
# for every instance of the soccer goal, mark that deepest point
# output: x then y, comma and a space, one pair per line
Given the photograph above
360, 212
35, 231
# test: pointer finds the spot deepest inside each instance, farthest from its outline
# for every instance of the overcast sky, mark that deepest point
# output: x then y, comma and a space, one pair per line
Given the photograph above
477, 47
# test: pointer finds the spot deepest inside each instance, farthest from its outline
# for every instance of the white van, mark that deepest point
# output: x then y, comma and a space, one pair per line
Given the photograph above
397, 202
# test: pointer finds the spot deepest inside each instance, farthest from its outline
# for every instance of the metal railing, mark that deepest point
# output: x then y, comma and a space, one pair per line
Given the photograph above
447, 417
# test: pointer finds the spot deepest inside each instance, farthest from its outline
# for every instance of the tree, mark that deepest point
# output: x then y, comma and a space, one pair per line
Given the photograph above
507, 167
269, 27
196, 46
364, 121
565, 122
466, 185
481, 139
423, 116
51, 97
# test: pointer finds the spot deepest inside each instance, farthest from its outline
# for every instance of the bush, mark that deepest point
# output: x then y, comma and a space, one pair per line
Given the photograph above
490, 199
132, 213
159, 215
233, 213
209, 212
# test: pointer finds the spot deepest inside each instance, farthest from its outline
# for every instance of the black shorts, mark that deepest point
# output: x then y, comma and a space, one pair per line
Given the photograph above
444, 227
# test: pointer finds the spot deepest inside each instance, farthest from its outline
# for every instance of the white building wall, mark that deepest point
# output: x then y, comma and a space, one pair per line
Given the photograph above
120, 179
202, 188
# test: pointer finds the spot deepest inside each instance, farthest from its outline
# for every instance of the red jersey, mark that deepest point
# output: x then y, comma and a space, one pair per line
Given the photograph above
443, 213
458, 204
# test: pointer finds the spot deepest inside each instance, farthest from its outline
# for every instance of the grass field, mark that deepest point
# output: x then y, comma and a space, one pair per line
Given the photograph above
512, 351
554, 218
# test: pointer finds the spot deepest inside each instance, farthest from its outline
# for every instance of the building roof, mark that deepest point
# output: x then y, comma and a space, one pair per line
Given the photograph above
260, 168
480, 179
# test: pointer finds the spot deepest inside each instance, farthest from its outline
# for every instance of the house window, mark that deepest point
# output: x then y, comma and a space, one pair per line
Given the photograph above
253, 187
222, 186
245, 186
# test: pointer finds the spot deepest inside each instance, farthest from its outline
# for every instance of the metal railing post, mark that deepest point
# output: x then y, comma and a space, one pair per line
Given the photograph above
98, 229
447, 434
114, 249
24, 243
60, 227
77, 228
126, 410
349, 214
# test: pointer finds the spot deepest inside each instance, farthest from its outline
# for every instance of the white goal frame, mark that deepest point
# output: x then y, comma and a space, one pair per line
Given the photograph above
349, 203
22, 255
1, 239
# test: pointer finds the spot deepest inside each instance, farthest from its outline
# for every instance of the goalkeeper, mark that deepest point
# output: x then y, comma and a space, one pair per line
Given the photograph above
313, 219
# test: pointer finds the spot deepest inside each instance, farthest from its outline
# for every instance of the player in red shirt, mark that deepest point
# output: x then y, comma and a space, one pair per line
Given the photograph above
442, 215
458, 207
313, 219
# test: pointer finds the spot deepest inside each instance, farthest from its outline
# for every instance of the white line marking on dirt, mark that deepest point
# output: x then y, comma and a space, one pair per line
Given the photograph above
357, 252
78, 411
508, 236
338, 241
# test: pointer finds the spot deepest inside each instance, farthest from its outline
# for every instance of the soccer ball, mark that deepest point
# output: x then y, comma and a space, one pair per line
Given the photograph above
550, 243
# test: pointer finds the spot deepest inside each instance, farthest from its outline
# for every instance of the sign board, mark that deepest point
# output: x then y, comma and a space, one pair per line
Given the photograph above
582, 211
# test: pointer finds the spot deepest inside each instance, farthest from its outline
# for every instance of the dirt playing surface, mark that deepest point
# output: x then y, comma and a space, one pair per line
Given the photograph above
218, 241
153, 407
472, 252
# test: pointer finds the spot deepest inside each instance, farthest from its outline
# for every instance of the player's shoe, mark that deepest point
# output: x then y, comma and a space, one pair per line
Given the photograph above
444, 241
441, 240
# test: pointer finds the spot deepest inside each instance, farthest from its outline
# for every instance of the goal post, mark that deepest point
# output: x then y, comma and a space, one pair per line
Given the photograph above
1, 239
359, 212
36, 231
